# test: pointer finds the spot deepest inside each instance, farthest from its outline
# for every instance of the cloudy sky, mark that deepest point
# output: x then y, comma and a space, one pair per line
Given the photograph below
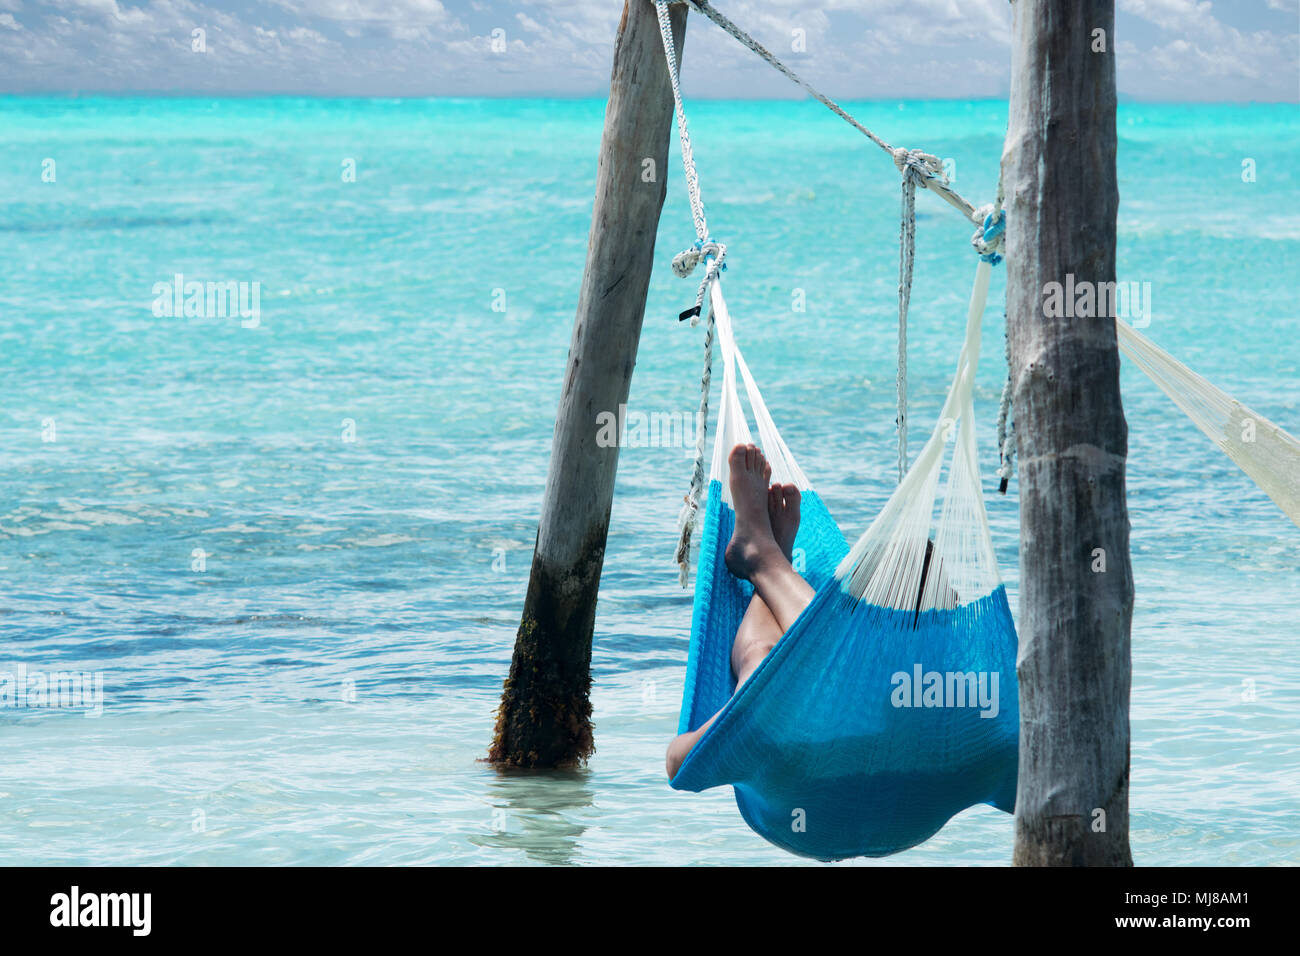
1168, 49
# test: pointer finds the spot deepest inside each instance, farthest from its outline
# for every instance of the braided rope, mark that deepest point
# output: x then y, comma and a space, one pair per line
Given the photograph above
906, 257
941, 187
714, 255
686, 518
915, 167
717, 17
990, 220
683, 133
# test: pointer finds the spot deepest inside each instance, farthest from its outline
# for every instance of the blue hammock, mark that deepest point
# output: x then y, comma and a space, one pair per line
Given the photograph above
870, 724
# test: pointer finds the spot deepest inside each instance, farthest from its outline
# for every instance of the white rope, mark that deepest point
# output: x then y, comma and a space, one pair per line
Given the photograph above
717, 17
688, 158
714, 255
939, 186
686, 518
1277, 470
684, 262
988, 241
915, 166
907, 254
733, 427
884, 567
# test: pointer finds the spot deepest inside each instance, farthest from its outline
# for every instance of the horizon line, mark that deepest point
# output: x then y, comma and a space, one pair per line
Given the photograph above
1121, 98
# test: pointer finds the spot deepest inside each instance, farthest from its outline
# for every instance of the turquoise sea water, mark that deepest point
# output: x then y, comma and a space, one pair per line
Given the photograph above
320, 692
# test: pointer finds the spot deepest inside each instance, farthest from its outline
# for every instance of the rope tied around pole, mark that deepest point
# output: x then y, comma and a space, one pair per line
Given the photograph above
989, 239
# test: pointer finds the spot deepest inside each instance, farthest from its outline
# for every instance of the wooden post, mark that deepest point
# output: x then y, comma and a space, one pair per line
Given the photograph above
1076, 596
545, 715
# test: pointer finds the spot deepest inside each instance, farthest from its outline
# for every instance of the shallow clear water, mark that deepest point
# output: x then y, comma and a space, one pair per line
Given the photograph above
322, 690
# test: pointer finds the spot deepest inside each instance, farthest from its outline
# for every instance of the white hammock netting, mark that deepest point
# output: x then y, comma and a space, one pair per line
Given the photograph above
1267, 454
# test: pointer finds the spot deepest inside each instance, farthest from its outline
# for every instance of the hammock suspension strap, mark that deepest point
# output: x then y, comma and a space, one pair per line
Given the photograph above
988, 241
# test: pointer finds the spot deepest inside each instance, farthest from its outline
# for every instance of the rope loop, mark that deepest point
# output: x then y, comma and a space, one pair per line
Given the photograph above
684, 262
989, 239
714, 255
919, 167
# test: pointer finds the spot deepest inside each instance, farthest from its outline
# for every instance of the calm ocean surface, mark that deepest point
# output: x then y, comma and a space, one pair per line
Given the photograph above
359, 475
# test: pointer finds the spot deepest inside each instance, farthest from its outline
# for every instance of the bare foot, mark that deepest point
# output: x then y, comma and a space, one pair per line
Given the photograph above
752, 543
783, 513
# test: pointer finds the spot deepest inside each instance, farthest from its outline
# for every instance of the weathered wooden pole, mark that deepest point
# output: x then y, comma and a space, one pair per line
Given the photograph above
545, 715
1076, 597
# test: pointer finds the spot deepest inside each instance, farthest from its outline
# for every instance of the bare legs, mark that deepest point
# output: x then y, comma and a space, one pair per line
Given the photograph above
753, 553
767, 519
760, 629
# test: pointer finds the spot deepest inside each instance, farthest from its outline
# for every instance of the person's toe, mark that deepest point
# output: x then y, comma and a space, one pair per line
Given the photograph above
736, 460
792, 497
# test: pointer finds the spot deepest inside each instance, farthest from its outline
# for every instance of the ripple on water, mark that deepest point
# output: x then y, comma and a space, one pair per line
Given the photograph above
297, 554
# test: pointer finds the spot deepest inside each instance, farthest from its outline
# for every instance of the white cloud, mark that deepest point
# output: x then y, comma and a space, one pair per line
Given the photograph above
1199, 49
529, 24
1180, 49
105, 8
406, 12
307, 36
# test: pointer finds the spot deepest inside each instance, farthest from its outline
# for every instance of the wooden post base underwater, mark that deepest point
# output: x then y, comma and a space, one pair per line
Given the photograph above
1076, 585
544, 720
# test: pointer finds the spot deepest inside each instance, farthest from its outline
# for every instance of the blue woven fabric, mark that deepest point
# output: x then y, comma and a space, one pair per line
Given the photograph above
825, 759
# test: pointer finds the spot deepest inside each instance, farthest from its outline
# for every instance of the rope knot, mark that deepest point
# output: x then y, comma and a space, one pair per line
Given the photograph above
918, 166
714, 254
990, 233
684, 262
